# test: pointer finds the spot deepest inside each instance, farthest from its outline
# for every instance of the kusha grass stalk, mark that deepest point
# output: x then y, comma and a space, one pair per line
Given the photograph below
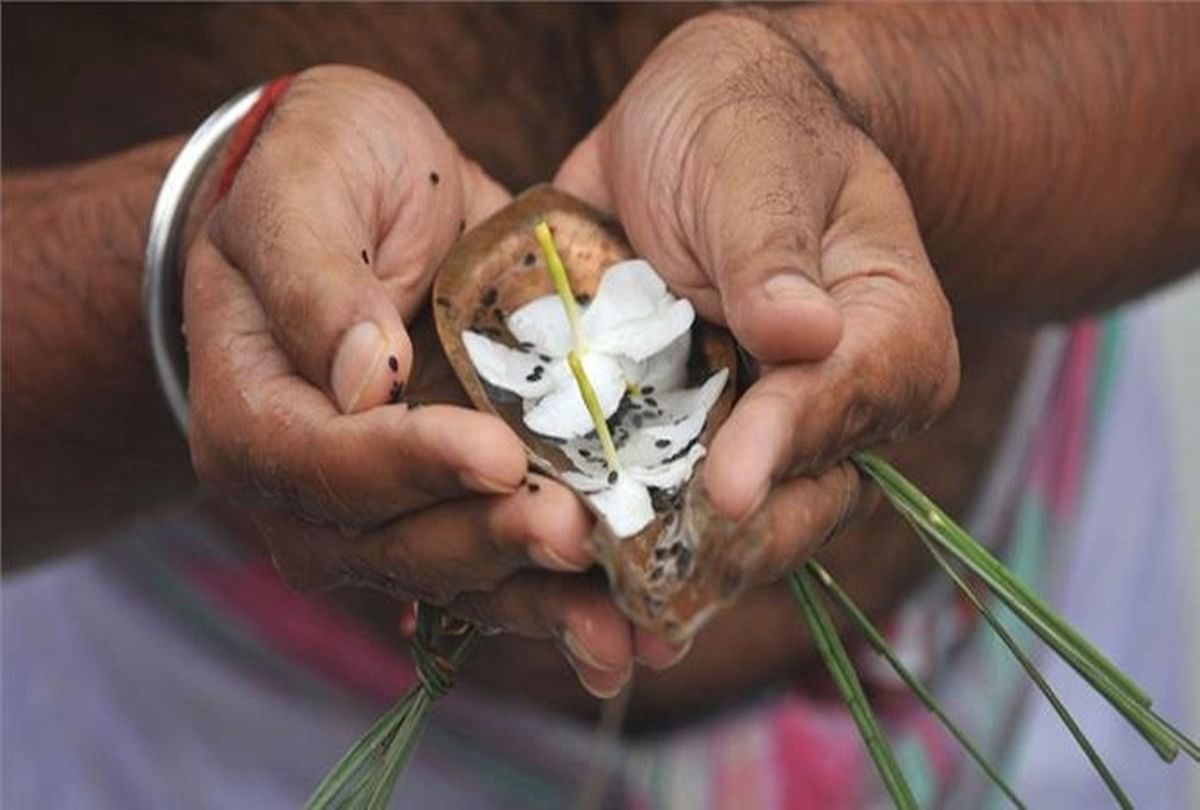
829, 645
880, 645
1031, 670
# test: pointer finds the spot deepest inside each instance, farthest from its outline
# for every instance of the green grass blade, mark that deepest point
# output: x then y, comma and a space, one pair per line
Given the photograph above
1067, 642
903, 494
1093, 756
377, 793
880, 644
842, 670
366, 776
352, 768
1185, 742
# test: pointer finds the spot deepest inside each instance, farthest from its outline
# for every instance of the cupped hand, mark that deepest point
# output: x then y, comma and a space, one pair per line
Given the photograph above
297, 296
738, 172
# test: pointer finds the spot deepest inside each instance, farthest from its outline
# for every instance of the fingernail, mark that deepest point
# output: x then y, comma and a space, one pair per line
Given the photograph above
789, 286
580, 653
358, 359
602, 692
666, 663
551, 558
485, 485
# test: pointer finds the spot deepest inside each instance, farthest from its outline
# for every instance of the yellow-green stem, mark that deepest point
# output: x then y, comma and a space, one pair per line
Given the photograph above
594, 410
562, 285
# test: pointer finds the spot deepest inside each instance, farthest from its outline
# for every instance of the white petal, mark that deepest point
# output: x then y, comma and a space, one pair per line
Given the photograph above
664, 371
645, 336
524, 373
582, 482
678, 405
667, 434
561, 414
625, 506
587, 456
670, 475
627, 290
542, 324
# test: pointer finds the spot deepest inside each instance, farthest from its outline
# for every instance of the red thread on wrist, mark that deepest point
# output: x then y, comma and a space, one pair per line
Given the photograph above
246, 132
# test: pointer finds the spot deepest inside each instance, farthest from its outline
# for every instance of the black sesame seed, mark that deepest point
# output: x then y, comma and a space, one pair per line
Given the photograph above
533, 487
462, 225
532, 377
396, 394
612, 476
529, 259
583, 451
648, 390
660, 443
525, 345
393, 363
652, 402
434, 178
366, 259
545, 358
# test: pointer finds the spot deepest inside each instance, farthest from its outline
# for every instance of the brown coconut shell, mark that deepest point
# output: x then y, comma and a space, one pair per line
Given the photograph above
690, 560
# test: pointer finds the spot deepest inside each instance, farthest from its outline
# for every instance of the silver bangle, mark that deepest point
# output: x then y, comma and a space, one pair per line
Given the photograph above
162, 293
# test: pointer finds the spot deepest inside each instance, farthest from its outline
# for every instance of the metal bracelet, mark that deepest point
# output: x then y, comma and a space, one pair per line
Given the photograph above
162, 291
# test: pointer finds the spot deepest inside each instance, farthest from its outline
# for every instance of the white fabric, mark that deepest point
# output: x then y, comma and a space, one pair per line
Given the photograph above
1123, 586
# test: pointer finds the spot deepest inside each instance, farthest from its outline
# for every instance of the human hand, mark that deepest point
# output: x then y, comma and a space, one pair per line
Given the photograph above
297, 297
737, 172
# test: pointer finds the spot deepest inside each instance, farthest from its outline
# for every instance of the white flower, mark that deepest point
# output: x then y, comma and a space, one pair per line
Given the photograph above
657, 438
634, 333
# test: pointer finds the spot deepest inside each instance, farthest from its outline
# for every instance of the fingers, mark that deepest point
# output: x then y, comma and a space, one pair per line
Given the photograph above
875, 387
338, 226
803, 514
583, 175
893, 372
257, 429
756, 202
576, 612
482, 196
656, 652
745, 164
438, 553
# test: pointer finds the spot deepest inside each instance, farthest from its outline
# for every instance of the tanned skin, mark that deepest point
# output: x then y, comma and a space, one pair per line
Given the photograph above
1052, 156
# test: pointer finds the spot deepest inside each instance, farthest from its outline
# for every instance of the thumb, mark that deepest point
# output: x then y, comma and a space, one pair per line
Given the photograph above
582, 173
762, 222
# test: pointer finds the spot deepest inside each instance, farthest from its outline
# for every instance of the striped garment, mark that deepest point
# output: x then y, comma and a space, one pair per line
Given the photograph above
180, 673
